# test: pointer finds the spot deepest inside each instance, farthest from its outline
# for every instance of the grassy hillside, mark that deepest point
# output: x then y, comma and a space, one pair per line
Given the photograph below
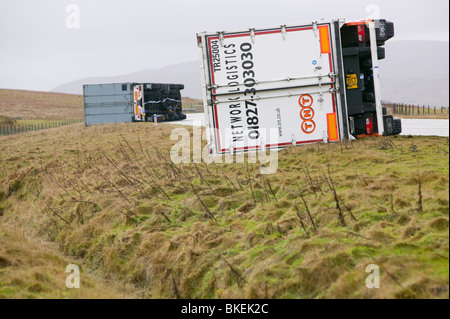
25, 107
32, 105
110, 196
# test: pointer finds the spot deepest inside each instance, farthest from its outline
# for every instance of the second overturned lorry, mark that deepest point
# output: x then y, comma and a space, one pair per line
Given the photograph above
132, 102
291, 85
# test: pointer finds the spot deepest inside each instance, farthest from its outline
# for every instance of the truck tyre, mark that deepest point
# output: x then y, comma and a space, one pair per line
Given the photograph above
397, 126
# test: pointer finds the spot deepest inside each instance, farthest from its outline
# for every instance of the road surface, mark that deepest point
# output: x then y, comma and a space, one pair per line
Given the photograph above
424, 127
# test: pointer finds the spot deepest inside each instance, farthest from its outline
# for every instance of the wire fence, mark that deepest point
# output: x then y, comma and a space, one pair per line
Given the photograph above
193, 108
16, 128
411, 109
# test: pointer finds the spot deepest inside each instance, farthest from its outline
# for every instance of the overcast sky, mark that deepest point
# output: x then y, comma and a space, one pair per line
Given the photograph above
39, 52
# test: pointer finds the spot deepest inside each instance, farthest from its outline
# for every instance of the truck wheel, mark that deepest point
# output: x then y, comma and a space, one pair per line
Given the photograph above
397, 126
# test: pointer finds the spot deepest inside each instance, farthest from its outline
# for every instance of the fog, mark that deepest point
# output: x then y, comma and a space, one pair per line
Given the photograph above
43, 44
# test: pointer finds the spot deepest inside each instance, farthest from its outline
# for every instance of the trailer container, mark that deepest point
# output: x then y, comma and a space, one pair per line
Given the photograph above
309, 83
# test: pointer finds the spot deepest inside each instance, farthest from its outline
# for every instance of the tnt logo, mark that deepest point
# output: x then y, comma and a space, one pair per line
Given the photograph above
307, 113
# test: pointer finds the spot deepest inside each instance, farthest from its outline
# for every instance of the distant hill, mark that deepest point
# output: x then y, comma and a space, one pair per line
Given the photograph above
413, 72
185, 73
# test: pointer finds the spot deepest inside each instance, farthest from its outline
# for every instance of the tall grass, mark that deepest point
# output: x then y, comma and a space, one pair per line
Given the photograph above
111, 196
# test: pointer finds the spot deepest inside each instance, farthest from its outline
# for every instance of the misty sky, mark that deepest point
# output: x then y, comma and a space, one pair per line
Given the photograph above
39, 52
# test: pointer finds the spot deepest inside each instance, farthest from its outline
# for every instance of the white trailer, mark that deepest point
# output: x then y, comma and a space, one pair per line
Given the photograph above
291, 85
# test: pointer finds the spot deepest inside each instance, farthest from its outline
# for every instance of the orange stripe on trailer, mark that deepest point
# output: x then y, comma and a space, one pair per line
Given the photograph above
332, 127
366, 135
137, 110
324, 39
350, 23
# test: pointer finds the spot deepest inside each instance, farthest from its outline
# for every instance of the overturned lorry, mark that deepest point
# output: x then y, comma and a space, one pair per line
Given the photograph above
290, 85
132, 102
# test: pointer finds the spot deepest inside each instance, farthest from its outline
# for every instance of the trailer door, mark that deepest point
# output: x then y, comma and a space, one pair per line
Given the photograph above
271, 88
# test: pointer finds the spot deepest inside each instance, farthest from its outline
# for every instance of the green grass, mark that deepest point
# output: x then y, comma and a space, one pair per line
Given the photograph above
118, 219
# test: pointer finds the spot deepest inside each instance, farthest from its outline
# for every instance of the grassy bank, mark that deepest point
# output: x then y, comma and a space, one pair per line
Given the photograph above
33, 268
110, 196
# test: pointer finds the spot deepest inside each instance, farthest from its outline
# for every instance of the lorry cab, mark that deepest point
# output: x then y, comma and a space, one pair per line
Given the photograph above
162, 101
360, 58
